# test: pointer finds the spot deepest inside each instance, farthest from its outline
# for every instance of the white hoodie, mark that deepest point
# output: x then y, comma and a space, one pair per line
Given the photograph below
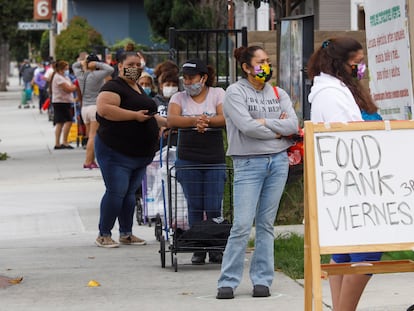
332, 101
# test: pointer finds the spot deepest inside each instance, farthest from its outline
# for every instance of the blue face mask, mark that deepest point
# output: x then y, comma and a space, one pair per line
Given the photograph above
66, 73
147, 90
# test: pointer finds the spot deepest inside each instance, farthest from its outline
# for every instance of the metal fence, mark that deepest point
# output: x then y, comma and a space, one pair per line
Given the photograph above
213, 46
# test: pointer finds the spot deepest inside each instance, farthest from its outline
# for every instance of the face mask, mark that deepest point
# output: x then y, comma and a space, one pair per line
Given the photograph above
66, 73
147, 90
194, 89
263, 73
358, 70
168, 91
132, 73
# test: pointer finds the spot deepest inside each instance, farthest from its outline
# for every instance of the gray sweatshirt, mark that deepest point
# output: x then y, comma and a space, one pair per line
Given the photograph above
94, 81
246, 136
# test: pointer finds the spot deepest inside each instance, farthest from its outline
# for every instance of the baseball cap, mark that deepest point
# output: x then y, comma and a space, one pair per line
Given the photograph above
92, 58
194, 67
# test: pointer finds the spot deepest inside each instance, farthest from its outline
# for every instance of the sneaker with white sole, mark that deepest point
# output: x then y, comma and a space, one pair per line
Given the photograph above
106, 241
131, 240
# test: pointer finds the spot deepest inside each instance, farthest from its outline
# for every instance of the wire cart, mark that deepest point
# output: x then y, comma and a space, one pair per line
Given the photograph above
206, 236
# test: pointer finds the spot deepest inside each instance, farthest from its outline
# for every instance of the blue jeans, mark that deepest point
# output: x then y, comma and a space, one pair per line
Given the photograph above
203, 187
259, 182
122, 176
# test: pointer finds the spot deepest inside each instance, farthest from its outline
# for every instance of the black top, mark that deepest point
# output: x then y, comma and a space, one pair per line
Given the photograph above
132, 138
205, 148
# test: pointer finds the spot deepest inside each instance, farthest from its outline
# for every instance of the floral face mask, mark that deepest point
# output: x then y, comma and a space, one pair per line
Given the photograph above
263, 73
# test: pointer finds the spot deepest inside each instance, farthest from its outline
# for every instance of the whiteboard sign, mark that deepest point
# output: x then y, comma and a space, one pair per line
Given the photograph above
365, 187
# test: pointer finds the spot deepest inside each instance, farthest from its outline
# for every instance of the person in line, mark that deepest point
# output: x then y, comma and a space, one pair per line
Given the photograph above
167, 86
165, 66
259, 118
125, 144
41, 82
27, 72
91, 74
62, 98
147, 84
200, 166
337, 95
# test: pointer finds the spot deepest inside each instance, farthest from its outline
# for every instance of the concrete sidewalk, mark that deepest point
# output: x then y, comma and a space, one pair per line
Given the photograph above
49, 209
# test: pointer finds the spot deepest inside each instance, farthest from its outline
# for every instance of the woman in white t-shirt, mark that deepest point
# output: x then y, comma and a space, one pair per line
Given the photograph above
198, 114
62, 99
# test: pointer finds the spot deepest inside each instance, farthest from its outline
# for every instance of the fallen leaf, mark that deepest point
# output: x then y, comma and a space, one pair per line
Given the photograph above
16, 280
93, 283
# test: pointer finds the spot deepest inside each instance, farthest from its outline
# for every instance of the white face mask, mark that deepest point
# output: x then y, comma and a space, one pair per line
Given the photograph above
168, 91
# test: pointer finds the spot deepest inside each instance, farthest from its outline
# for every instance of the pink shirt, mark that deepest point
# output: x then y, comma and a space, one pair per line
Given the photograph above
58, 94
189, 107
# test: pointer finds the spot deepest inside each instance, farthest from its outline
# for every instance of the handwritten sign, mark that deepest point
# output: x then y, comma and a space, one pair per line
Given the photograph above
359, 197
389, 58
365, 187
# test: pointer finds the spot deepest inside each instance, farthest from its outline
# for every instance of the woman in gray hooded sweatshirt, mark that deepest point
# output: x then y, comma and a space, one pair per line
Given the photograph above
259, 118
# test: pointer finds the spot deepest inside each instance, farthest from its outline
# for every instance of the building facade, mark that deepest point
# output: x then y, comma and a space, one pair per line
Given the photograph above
115, 20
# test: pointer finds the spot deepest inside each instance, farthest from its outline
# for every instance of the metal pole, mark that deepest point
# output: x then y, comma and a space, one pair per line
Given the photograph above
52, 31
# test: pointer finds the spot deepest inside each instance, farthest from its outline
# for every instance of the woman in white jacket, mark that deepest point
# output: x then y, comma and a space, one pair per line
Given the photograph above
337, 95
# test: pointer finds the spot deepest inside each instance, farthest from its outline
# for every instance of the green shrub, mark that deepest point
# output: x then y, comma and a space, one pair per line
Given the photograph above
78, 37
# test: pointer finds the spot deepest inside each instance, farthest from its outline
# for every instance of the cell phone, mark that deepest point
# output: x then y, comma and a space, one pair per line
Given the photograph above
151, 113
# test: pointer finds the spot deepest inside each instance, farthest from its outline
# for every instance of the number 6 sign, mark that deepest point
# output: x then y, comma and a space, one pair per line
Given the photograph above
42, 10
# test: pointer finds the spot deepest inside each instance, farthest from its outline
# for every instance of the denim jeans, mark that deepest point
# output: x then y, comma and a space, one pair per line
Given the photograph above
203, 187
122, 176
258, 186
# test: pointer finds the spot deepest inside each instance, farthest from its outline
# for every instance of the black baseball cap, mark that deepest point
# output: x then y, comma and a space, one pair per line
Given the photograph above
92, 58
194, 67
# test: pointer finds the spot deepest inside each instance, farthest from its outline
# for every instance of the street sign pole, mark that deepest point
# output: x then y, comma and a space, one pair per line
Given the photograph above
52, 35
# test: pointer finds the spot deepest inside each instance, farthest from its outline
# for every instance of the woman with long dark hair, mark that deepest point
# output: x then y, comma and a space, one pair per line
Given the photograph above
337, 95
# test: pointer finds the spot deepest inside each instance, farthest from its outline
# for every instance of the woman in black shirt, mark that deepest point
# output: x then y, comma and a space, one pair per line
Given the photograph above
125, 144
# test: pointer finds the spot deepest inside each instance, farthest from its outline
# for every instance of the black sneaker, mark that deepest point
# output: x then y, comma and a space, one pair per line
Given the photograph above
225, 293
215, 257
198, 258
59, 147
67, 147
261, 291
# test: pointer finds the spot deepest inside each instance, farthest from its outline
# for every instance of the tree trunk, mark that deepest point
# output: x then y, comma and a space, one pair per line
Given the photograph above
4, 65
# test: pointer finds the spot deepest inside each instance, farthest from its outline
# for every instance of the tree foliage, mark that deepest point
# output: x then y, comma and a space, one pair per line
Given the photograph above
14, 43
79, 36
11, 13
181, 14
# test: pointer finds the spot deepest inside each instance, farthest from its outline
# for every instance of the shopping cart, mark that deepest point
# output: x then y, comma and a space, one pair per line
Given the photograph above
209, 235
26, 99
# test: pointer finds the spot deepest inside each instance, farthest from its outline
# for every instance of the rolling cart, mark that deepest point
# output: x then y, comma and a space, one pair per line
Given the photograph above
206, 236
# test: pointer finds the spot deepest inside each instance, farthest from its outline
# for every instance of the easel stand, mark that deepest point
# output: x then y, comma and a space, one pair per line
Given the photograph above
342, 212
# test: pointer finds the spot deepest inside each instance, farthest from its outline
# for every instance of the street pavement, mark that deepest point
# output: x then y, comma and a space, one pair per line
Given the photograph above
49, 209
